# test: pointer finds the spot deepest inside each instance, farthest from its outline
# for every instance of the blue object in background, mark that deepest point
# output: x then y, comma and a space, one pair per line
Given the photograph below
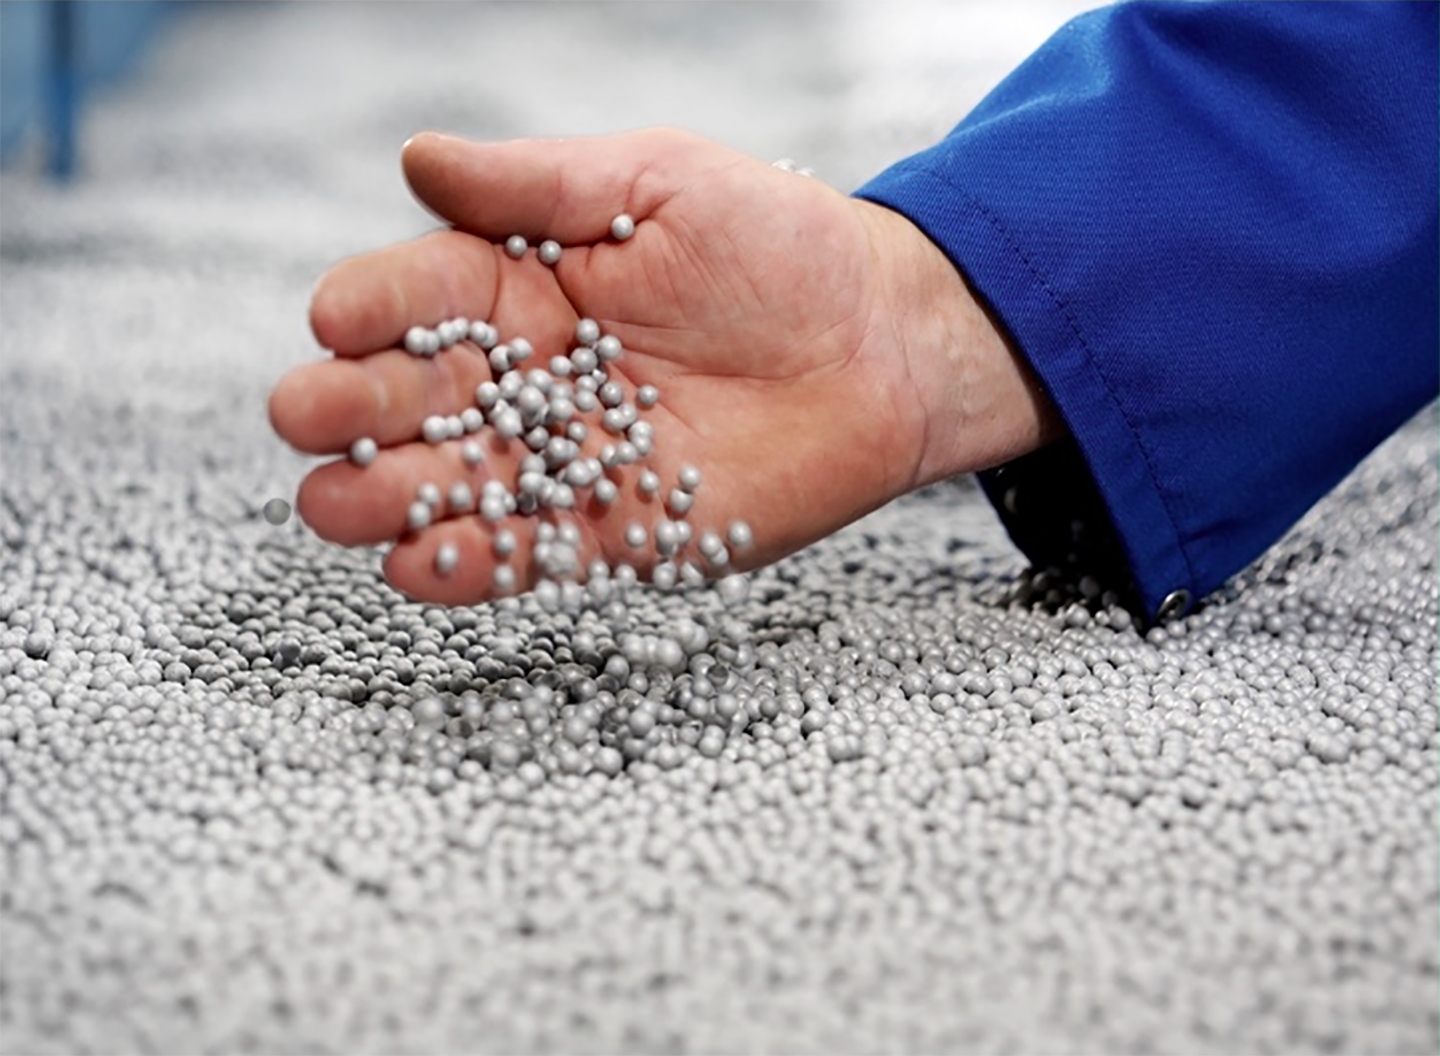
53, 53
22, 70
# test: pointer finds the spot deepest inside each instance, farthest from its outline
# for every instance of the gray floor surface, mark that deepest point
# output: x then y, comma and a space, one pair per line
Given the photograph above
1216, 837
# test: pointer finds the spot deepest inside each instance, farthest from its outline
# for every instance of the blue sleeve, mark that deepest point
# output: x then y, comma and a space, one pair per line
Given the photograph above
1212, 231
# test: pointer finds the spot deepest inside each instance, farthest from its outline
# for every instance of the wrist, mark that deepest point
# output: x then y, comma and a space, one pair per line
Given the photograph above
979, 402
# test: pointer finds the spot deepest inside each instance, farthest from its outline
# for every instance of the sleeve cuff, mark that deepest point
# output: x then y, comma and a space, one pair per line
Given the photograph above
1102, 480
1053, 513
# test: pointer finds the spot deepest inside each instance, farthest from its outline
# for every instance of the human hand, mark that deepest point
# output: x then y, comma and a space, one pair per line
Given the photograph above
816, 355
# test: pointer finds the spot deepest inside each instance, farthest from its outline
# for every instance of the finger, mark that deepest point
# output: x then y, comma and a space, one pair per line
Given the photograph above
322, 408
565, 189
366, 303
350, 506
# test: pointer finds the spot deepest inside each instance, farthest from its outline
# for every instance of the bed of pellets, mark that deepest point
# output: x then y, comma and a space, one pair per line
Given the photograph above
253, 800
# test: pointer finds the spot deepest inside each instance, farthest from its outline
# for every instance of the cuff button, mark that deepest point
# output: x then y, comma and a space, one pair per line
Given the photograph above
1176, 603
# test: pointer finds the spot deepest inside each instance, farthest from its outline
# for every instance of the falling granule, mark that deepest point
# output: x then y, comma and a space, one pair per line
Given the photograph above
276, 511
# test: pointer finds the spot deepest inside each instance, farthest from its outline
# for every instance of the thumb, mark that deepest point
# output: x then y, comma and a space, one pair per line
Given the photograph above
565, 189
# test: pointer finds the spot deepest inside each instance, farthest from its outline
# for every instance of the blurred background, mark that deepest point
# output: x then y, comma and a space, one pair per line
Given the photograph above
53, 53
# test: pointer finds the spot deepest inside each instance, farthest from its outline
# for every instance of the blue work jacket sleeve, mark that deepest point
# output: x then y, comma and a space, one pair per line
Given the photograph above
1211, 230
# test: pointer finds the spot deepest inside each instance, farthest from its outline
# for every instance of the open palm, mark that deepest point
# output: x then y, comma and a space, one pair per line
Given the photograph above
746, 296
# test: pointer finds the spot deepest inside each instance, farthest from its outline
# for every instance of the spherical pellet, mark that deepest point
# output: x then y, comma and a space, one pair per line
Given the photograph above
647, 396
511, 382
435, 429
665, 575
608, 349
587, 332
605, 491
549, 252
547, 594
429, 493
740, 535
364, 451
484, 335
496, 488
276, 511
460, 498
559, 410
487, 395
622, 227
472, 453
508, 423
690, 478
499, 358
733, 589
504, 543
520, 349
611, 394
582, 361
635, 535
447, 558
418, 515
417, 340
709, 543
667, 538
530, 401
680, 502
515, 246
503, 579
648, 482
581, 473
493, 508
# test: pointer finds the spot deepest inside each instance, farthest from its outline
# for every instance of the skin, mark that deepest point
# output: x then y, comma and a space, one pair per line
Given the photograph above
817, 355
